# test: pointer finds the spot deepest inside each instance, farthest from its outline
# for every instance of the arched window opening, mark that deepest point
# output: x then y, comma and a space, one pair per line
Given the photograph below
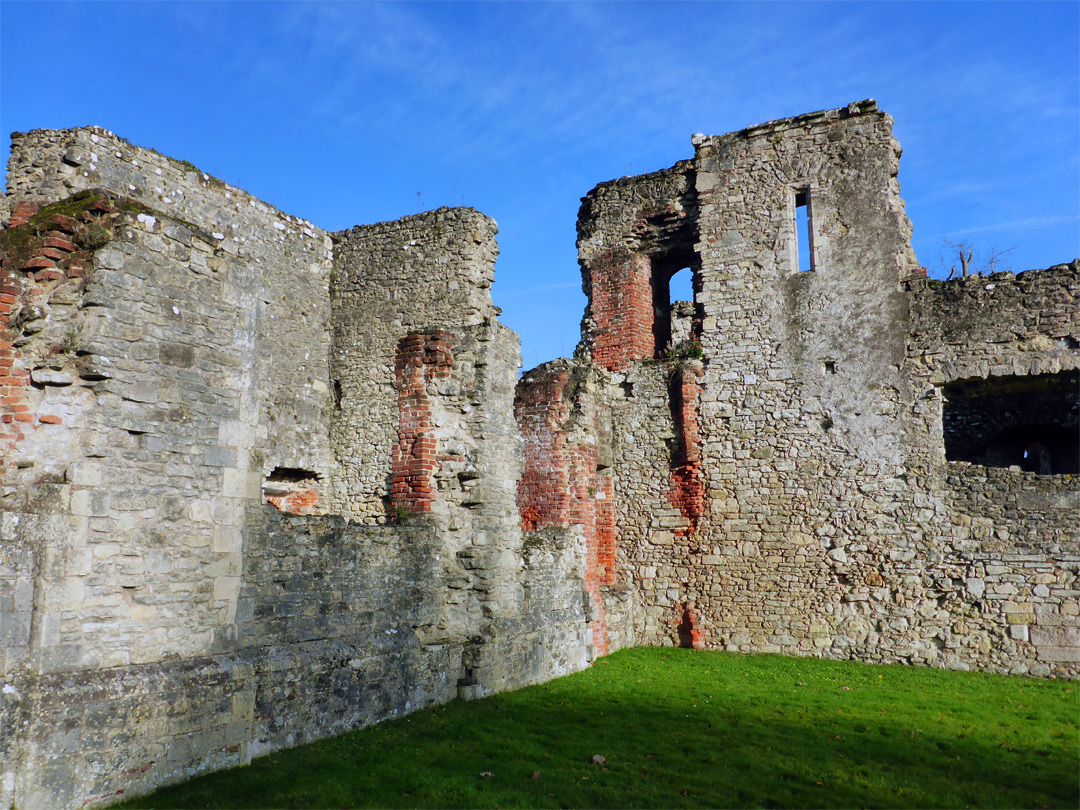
675, 284
681, 306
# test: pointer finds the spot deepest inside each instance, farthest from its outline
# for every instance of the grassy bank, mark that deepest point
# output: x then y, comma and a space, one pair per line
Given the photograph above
679, 728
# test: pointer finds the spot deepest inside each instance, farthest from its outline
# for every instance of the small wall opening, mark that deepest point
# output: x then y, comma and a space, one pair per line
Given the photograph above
688, 631
293, 490
681, 306
804, 260
1030, 422
674, 298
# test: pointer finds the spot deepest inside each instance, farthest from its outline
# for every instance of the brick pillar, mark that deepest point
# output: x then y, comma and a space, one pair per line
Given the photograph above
421, 358
621, 305
561, 486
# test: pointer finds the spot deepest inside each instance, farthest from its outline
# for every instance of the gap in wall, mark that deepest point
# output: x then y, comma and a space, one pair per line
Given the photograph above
1030, 422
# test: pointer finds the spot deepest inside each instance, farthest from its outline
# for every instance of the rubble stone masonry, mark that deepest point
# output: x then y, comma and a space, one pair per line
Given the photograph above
169, 390
261, 483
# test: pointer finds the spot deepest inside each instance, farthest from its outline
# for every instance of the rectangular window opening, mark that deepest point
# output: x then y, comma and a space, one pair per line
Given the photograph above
1030, 422
804, 232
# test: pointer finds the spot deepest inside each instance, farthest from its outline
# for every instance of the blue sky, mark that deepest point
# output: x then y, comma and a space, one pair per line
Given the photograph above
347, 113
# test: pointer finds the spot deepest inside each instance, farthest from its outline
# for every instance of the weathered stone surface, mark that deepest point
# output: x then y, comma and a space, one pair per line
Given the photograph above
261, 484
195, 366
834, 519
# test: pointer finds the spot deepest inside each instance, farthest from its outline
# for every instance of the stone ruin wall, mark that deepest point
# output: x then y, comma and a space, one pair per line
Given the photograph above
262, 483
429, 271
777, 486
181, 369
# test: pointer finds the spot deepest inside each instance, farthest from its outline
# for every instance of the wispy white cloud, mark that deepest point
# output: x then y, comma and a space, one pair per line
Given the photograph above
963, 188
1016, 224
570, 285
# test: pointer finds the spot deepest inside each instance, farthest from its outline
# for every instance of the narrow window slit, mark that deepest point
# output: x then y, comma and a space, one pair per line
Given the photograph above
804, 232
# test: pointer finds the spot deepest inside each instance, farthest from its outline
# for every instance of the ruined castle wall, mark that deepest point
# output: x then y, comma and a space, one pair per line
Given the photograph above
633, 233
820, 529
656, 521
429, 271
801, 387
167, 389
805, 462
286, 272
144, 422
1012, 532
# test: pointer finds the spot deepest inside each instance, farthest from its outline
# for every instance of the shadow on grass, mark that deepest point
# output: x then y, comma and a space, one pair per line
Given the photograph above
685, 729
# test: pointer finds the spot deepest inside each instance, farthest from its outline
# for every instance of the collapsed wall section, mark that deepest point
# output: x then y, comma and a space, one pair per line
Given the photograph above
634, 234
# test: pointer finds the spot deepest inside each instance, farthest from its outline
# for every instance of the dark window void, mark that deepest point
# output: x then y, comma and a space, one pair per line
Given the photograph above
804, 231
1029, 422
674, 295
291, 475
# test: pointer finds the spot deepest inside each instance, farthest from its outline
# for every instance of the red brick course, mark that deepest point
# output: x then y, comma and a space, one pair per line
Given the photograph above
621, 305
687, 493
22, 213
305, 502
421, 359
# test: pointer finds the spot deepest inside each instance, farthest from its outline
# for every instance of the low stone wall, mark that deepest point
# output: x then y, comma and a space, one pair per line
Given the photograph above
326, 644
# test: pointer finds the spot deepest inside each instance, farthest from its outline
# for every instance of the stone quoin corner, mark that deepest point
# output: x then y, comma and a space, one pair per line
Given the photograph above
262, 483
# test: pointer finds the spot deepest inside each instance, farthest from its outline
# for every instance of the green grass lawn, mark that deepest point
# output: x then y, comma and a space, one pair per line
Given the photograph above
680, 728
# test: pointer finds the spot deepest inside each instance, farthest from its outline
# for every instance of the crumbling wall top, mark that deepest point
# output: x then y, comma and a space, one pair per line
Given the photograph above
779, 125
